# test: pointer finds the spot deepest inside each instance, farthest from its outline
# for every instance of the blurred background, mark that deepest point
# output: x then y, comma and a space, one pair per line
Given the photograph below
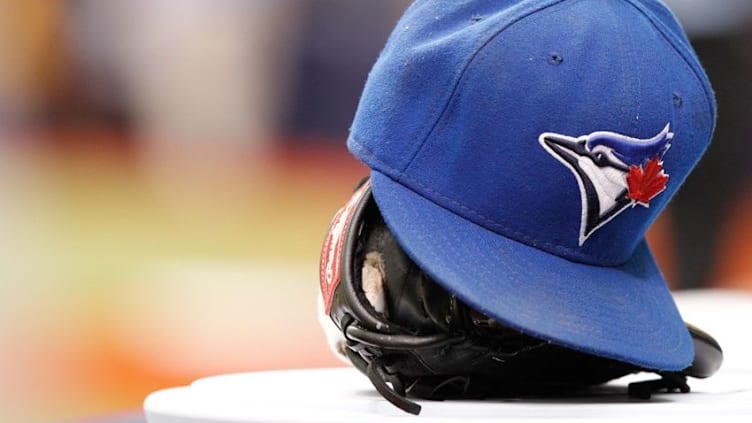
168, 170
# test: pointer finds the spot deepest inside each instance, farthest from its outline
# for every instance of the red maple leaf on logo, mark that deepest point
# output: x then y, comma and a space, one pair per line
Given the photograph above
646, 182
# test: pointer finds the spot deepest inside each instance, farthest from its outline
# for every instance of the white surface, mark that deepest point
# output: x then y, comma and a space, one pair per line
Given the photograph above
344, 395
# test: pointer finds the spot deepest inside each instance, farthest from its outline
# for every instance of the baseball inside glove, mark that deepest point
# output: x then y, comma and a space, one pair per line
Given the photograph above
411, 337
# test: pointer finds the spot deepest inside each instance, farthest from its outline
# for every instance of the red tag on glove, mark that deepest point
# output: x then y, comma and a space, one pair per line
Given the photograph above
330, 267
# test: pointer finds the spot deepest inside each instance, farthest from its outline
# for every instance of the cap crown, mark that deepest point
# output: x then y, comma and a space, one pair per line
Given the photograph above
498, 110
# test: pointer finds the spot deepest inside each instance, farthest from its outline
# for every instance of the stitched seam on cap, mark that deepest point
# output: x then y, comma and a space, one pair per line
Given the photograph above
700, 81
700, 78
505, 230
515, 235
461, 75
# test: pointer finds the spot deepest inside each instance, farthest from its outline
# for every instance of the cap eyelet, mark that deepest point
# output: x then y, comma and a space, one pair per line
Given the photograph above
555, 59
677, 100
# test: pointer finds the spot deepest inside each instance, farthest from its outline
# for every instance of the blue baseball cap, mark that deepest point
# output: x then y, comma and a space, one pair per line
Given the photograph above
519, 150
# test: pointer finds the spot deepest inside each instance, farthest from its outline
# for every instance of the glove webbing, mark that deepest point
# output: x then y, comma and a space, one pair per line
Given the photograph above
381, 374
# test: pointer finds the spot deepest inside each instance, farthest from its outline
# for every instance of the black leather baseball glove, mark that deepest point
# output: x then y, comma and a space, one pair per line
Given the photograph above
411, 337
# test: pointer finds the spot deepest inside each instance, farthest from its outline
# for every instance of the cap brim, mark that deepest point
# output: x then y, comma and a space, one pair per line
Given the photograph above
624, 313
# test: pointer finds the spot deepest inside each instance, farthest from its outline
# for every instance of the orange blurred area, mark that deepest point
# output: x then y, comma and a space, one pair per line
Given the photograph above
118, 281
734, 271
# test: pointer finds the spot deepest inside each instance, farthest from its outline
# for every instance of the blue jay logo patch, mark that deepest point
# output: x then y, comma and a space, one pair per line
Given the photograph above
613, 171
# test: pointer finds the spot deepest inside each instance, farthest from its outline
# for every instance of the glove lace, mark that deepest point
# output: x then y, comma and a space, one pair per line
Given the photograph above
669, 381
396, 395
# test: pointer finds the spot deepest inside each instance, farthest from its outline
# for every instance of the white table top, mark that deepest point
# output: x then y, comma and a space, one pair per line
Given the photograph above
344, 395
